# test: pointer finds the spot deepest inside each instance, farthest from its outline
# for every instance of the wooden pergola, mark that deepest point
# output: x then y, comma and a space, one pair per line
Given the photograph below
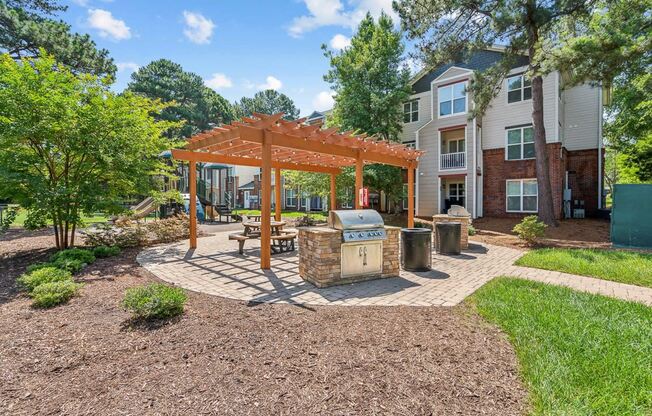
269, 142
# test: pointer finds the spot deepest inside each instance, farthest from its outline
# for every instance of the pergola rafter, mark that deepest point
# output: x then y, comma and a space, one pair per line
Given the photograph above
270, 142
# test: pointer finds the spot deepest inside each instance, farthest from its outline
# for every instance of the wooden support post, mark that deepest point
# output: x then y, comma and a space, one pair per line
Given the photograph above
192, 179
277, 193
333, 197
359, 166
410, 196
266, 203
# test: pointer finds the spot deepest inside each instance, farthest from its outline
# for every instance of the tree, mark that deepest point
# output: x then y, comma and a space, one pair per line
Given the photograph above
318, 184
68, 145
371, 84
267, 102
614, 45
451, 30
190, 101
26, 26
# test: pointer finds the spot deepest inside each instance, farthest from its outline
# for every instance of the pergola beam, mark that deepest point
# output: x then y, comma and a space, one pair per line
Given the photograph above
247, 161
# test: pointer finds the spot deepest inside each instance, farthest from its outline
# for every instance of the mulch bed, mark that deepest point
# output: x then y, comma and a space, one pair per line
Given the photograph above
228, 357
584, 233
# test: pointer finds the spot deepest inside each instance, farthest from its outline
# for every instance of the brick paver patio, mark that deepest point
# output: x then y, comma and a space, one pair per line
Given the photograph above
216, 268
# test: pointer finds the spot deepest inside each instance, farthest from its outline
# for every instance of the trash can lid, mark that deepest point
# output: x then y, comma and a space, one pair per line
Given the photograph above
416, 230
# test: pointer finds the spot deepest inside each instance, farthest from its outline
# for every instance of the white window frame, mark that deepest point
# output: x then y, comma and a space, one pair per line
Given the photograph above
411, 111
522, 89
404, 202
294, 196
521, 144
457, 190
448, 145
521, 182
466, 99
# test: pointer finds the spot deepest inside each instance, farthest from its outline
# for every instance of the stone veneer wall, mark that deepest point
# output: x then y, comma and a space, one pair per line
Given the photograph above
464, 244
320, 254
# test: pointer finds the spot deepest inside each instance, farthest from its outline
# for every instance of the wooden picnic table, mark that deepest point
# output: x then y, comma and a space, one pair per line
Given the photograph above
254, 226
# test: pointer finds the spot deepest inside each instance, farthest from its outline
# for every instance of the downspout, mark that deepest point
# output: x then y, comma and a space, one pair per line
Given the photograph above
600, 106
416, 179
473, 171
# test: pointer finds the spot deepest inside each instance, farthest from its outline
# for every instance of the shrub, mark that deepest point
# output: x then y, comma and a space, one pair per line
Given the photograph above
52, 294
84, 256
106, 251
154, 301
530, 229
8, 217
31, 281
70, 265
122, 234
37, 266
421, 224
170, 229
471, 230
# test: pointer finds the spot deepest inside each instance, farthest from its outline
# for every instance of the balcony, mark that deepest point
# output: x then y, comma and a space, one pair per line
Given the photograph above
452, 161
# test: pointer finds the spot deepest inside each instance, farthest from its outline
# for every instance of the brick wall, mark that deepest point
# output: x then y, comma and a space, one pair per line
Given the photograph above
583, 178
582, 169
497, 170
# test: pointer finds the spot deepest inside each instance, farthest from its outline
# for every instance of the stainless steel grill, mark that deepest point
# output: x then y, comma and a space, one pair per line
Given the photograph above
358, 224
363, 232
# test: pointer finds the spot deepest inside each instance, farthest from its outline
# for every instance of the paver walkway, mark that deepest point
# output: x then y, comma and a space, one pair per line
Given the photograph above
216, 268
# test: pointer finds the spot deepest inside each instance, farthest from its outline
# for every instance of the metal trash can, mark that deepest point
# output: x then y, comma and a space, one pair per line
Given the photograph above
448, 237
416, 249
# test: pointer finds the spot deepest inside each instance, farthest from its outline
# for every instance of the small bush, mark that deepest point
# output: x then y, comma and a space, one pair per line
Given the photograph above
170, 229
8, 217
471, 230
420, 224
70, 265
154, 301
106, 251
52, 294
31, 281
37, 266
530, 229
83, 256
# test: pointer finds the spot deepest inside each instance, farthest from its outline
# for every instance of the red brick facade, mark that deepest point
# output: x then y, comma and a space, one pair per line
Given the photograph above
583, 178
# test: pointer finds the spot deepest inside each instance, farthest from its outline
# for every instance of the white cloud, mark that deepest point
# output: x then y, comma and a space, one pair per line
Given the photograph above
340, 42
271, 83
218, 81
82, 3
198, 28
332, 13
127, 66
323, 101
107, 25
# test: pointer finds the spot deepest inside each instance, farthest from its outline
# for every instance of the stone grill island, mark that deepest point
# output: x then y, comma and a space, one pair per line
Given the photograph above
356, 246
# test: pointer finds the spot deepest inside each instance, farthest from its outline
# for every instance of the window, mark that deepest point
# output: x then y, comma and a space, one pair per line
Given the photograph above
455, 146
456, 191
520, 143
405, 196
412, 144
522, 195
452, 99
519, 88
411, 111
290, 198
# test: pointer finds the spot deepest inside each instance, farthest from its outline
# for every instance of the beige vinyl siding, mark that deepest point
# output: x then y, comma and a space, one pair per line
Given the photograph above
407, 135
452, 72
581, 117
500, 114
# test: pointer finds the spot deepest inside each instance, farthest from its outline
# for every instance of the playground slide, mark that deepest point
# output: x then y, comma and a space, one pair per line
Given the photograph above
144, 208
200, 208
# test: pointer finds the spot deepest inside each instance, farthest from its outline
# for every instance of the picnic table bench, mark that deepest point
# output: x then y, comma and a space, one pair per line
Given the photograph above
284, 242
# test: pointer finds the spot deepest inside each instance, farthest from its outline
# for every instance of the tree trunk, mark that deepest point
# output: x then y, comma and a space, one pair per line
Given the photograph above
546, 206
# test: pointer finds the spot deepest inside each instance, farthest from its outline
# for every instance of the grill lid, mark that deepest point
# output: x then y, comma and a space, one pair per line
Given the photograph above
356, 219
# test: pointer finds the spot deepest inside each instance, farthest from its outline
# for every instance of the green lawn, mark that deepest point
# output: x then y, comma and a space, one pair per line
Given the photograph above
286, 214
22, 215
579, 354
620, 266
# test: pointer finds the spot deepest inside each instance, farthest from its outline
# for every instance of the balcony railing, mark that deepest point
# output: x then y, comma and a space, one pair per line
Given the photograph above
452, 160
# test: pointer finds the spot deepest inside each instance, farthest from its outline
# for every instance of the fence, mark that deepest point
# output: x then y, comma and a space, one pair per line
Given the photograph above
631, 216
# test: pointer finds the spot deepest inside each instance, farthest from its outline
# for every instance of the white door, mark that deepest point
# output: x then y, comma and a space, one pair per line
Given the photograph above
246, 200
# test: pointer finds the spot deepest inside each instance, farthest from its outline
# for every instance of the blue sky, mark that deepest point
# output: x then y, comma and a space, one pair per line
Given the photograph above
238, 47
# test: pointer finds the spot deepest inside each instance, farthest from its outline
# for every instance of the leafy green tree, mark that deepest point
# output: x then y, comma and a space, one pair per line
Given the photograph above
267, 102
451, 30
190, 101
68, 145
312, 183
614, 45
371, 84
26, 26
